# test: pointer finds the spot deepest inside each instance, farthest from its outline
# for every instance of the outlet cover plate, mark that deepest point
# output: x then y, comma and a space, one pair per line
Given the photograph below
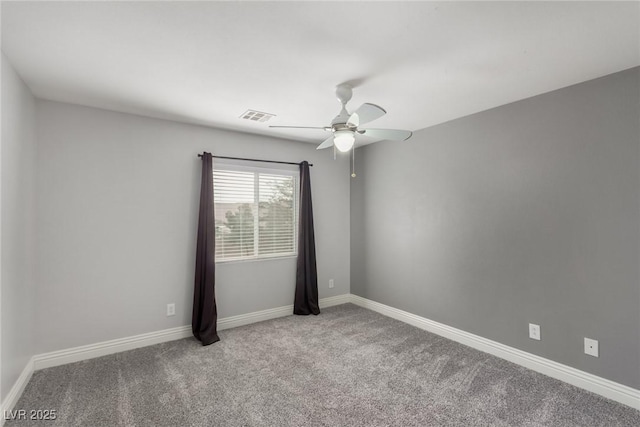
171, 309
591, 347
534, 331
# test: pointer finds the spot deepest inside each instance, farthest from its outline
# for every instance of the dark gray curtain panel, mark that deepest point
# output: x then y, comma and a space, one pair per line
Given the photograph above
205, 314
306, 297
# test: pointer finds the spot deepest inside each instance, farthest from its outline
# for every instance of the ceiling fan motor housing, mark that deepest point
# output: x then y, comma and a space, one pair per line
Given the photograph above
344, 92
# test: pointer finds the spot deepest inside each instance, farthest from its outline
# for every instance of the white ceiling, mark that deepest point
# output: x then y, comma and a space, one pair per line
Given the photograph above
208, 62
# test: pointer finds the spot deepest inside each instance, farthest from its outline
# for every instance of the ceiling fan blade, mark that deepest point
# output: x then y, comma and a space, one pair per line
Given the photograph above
326, 143
389, 134
368, 112
302, 127
354, 120
361, 140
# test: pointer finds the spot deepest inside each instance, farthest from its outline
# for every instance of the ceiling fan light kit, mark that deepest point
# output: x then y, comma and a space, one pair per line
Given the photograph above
344, 140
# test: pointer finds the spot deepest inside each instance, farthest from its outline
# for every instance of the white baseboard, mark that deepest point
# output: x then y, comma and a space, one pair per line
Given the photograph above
16, 391
337, 300
606, 388
85, 352
76, 354
273, 313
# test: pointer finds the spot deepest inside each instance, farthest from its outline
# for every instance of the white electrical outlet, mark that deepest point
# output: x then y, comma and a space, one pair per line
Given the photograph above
534, 331
171, 309
591, 347
330, 283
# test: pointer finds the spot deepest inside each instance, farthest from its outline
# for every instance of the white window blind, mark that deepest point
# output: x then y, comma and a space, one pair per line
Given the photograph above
256, 212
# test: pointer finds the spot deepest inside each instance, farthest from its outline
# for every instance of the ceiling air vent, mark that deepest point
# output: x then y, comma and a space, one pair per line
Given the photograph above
256, 116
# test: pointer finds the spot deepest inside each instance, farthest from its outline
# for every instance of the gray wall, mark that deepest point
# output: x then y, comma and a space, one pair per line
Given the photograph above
524, 213
117, 216
17, 262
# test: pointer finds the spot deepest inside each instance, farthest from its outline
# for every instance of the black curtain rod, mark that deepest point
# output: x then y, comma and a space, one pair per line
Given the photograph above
255, 160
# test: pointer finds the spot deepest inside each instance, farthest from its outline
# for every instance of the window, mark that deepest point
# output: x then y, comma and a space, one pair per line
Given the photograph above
256, 212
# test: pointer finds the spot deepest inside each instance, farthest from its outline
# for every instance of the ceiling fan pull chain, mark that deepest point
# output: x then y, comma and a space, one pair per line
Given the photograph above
334, 151
353, 162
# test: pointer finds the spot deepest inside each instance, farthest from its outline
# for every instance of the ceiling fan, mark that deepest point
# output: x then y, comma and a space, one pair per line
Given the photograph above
345, 127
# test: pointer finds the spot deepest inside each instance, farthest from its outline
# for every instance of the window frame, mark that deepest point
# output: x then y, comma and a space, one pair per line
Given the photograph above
258, 168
